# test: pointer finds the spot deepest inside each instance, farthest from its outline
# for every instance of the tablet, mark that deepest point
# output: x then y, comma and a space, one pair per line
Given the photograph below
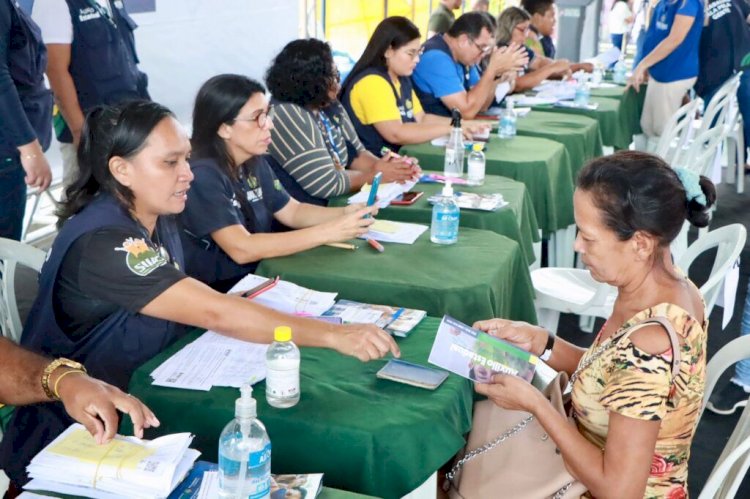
412, 374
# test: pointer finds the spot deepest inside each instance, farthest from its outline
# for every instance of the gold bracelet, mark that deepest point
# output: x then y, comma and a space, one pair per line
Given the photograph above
51, 368
57, 381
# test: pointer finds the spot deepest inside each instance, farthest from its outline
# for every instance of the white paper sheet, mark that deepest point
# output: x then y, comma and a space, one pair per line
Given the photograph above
287, 297
386, 193
501, 90
209, 485
406, 233
606, 58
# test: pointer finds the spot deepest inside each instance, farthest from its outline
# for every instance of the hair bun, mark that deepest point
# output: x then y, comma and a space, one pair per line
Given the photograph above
698, 214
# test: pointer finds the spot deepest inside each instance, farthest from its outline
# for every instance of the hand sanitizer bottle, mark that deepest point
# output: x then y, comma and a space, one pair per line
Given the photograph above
245, 452
454, 149
445, 218
619, 75
476, 165
282, 370
507, 127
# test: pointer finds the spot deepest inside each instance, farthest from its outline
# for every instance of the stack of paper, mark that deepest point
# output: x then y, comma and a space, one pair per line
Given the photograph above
574, 105
213, 360
395, 320
528, 100
287, 297
127, 467
394, 232
386, 193
475, 201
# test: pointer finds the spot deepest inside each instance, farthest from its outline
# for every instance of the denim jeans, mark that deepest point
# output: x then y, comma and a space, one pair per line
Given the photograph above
742, 369
12, 197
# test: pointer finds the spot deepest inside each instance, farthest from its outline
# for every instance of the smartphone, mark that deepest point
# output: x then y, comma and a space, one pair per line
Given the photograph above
401, 371
374, 190
407, 198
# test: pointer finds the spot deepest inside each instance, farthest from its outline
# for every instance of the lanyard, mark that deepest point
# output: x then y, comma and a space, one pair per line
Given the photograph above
104, 12
330, 142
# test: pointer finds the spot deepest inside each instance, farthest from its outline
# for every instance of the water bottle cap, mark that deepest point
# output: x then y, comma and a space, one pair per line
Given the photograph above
448, 189
245, 406
282, 333
476, 146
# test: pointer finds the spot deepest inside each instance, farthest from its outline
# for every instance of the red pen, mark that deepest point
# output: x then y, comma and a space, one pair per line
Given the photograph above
376, 245
260, 288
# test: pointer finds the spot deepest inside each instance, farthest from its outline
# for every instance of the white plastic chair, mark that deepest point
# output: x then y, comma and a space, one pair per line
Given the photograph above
730, 468
736, 148
13, 253
575, 291
677, 131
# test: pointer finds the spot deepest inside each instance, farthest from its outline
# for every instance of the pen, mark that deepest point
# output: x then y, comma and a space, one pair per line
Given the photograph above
260, 288
384, 151
395, 316
376, 245
345, 246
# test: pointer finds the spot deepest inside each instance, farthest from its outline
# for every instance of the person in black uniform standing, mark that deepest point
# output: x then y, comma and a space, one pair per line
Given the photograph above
25, 113
92, 61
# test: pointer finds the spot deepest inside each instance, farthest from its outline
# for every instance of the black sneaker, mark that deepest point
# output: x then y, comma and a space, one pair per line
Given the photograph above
728, 399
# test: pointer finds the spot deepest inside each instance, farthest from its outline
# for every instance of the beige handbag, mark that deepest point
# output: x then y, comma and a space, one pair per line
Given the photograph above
528, 465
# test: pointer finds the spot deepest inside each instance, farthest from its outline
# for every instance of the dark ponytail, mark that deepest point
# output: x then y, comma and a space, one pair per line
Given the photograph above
109, 131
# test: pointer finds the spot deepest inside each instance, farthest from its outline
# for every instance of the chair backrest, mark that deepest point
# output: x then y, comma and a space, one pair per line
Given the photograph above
13, 253
729, 242
718, 106
675, 132
734, 460
699, 156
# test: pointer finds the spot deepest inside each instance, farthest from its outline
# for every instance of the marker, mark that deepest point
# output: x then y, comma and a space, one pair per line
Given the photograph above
345, 246
376, 245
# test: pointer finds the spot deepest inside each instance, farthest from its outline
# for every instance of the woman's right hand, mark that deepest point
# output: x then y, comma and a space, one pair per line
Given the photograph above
395, 170
348, 226
365, 342
522, 334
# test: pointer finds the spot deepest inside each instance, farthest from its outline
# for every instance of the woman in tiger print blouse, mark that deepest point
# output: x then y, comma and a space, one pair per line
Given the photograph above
635, 417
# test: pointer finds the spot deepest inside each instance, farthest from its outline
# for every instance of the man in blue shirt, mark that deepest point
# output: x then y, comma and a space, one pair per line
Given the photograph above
447, 75
671, 44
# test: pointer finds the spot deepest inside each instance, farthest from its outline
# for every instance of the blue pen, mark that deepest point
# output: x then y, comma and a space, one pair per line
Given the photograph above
396, 316
374, 190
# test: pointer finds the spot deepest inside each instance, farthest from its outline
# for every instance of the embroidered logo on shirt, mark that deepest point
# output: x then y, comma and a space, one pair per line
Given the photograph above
87, 14
140, 258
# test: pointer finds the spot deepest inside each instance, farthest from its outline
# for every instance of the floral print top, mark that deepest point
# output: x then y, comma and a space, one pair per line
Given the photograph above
636, 384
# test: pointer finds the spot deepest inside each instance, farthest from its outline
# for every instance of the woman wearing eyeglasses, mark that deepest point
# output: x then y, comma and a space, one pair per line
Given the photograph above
113, 292
236, 198
315, 151
378, 93
513, 26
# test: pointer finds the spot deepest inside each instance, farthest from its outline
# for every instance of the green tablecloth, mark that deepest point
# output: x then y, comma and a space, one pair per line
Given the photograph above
609, 114
483, 275
631, 105
579, 134
516, 221
541, 164
367, 435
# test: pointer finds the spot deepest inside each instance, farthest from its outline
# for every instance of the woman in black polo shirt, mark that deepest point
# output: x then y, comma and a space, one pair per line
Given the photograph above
236, 198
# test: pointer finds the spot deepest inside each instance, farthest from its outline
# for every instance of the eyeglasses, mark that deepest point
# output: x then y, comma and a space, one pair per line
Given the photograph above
413, 54
262, 117
484, 50
523, 29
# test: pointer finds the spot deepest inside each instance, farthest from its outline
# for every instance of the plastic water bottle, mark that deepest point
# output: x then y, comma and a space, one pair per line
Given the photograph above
454, 149
507, 127
598, 75
245, 452
583, 93
282, 369
445, 217
476, 165
620, 73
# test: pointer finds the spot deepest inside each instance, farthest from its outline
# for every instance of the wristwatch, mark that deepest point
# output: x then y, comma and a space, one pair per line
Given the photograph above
61, 362
547, 353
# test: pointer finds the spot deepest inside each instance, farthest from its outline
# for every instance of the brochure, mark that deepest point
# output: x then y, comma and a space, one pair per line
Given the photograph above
476, 355
395, 320
475, 201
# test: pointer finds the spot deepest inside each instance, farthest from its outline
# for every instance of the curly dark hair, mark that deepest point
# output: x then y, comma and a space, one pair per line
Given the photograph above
303, 73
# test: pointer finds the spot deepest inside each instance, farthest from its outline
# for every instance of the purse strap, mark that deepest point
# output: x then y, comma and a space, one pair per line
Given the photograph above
515, 429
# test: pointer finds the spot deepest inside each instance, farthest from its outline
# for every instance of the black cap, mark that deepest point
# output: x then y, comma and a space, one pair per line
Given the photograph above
456, 118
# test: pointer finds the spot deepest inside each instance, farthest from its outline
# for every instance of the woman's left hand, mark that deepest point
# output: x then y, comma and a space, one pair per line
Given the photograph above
511, 392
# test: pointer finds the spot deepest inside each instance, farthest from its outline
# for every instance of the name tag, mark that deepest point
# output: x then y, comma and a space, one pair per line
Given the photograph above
662, 26
87, 14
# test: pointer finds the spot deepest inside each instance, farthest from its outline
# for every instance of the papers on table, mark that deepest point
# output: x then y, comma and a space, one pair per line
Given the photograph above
213, 360
528, 100
501, 90
558, 90
571, 104
394, 232
386, 193
395, 320
127, 467
474, 201
606, 59
287, 297
604, 84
